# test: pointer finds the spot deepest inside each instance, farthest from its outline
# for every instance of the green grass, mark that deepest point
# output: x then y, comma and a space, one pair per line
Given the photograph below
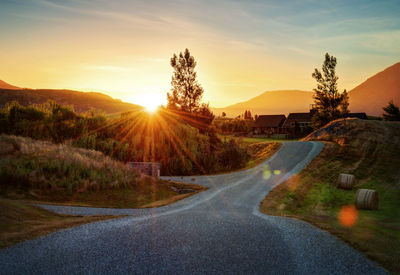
251, 140
373, 156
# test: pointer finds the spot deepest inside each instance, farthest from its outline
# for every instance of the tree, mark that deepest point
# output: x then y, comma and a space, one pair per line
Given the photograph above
329, 103
249, 116
223, 114
186, 92
391, 112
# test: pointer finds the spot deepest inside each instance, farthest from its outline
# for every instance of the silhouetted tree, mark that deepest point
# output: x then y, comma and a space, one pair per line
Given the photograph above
223, 114
329, 103
391, 112
255, 117
186, 92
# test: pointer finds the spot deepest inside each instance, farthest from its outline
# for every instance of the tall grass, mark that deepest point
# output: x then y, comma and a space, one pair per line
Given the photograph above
47, 167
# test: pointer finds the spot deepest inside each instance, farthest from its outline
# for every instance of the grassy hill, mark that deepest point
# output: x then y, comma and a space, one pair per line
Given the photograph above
371, 151
42, 171
82, 101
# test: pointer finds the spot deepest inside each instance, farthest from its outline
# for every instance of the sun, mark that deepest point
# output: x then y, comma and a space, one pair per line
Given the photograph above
150, 107
150, 101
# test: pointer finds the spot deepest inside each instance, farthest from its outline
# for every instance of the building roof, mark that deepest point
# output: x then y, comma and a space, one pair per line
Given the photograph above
356, 115
270, 121
297, 117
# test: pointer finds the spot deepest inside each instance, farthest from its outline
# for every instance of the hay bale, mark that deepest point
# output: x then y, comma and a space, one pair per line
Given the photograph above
367, 199
346, 181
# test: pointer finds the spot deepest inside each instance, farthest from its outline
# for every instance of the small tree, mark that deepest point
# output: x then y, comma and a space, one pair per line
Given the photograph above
186, 92
391, 112
329, 103
223, 114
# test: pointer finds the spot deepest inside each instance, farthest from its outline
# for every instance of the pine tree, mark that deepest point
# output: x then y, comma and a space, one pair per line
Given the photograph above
186, 92
329, 103
391, 112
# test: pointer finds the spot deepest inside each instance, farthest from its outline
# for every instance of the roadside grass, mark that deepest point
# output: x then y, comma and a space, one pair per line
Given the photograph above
44, 172
260, 152
371, 151
20, 222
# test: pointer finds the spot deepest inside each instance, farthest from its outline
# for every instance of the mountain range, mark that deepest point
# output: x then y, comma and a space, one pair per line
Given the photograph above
82, 101
369, 97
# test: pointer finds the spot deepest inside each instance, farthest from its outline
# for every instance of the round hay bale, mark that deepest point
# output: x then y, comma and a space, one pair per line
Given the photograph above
367, 199
346, 181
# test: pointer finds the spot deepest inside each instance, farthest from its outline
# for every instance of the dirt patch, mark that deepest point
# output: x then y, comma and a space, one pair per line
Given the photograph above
20, 222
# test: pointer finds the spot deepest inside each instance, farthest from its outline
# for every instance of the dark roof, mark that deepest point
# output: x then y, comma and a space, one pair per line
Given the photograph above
270, 121
357, 115
297, 117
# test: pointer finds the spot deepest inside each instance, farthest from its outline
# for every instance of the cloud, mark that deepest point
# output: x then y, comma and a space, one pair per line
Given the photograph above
108, 68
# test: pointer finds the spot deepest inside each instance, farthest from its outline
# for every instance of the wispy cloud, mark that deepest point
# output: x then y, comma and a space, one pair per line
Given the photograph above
108, 68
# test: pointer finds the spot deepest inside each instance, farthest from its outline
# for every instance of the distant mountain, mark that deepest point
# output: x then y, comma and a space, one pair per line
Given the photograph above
4, 85
82, 101
271, 103
371, 95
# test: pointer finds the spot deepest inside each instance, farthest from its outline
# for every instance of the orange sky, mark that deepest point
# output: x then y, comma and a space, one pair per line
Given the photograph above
242, 49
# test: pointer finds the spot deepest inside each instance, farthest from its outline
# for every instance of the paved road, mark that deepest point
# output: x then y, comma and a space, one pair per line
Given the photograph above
217, 231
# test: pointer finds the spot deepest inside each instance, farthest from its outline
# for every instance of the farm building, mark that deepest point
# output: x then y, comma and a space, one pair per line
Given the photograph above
301, 119
297, 124
269, 124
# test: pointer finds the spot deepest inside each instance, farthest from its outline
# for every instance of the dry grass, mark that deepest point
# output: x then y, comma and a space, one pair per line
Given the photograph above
44, 172
20, 222
371, 151
262, 151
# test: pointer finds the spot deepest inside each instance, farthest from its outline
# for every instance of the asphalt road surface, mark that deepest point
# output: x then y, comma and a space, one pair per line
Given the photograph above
217, 231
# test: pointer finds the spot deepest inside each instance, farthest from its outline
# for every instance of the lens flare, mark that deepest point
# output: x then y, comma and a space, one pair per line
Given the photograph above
348, 216
267, 172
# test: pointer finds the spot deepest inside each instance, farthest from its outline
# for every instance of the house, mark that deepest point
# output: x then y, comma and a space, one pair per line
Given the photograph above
268, 124
297, 124
356, 115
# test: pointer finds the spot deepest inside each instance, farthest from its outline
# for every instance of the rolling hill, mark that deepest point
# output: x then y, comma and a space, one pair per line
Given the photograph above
82, 101
271, 102
371, 95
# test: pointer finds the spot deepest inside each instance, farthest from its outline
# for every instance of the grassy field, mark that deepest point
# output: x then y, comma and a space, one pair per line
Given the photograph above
250, 140
371, 151
20, 222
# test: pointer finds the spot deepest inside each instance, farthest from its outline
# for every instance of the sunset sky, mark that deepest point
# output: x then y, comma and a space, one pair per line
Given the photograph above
243, 48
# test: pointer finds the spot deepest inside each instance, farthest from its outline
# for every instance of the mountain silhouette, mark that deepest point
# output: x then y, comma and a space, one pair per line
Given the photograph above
375, 93
271, 103
4, 85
